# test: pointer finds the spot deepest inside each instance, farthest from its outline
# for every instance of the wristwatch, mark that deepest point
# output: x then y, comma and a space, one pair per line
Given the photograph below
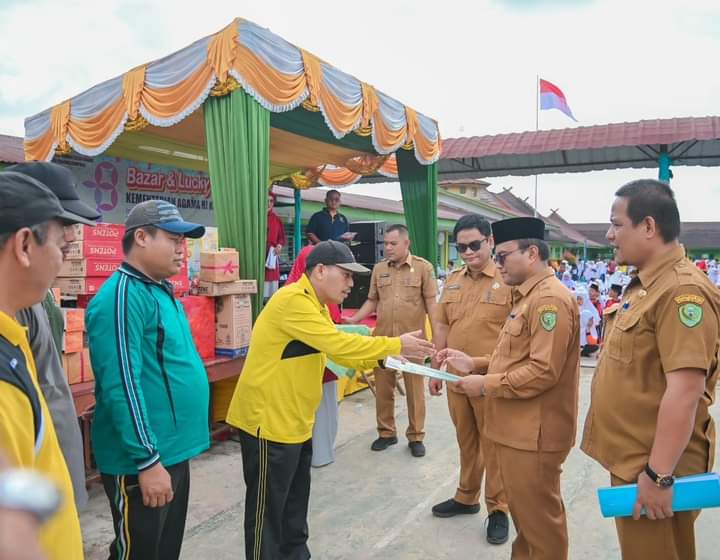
662, 480
28, 491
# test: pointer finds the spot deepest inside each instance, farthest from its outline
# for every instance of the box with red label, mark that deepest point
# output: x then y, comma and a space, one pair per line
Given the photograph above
101, 232
111, 250
220, 266
200, 313
75, 286
74, 319
233, 321
72, 364
180, 283
73, 341
80, 268
86, 366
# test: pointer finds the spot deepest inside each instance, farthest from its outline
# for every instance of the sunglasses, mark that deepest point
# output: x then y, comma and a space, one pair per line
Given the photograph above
500, 257
473, 246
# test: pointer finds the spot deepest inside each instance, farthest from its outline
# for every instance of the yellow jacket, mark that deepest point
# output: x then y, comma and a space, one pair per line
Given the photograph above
280, 387
27, 437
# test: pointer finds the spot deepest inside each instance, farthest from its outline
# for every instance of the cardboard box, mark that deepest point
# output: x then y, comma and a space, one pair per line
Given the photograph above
80, 268
233, 317
72, 364
73, 342
217, 289
220, 266
74, 319
95, 249
75, 286
101, 232
87, 371
207, 243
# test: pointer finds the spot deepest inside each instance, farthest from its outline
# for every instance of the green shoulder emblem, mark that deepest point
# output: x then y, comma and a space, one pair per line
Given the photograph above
690, 314
548, 320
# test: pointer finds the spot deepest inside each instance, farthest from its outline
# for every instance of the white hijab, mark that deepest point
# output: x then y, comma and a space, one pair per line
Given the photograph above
588, 313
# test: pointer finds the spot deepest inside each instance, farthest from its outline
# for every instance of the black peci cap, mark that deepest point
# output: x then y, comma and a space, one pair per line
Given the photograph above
518, 228
62, 183
334, 253
25, 202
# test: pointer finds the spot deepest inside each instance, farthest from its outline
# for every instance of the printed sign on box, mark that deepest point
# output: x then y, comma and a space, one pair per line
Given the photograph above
80, 268
94, 249
75, 286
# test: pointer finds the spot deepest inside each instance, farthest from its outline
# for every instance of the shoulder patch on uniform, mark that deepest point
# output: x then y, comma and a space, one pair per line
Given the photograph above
690, 298
690, 314
548, 317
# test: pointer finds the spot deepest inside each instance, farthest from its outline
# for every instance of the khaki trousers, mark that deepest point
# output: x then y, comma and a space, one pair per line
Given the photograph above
385, 382
477, 454
531, 480
661, 539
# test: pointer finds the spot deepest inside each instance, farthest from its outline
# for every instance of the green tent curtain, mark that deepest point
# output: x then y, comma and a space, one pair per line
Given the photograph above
419, 187
237, 130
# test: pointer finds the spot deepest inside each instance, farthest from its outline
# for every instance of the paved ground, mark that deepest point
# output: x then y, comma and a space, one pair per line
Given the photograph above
377, 505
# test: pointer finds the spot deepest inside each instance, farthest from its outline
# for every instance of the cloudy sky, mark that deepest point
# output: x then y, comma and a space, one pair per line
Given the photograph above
470, 65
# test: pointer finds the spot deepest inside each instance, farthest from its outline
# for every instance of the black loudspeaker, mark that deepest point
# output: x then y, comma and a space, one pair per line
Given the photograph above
369, 232
359, 292
368, 253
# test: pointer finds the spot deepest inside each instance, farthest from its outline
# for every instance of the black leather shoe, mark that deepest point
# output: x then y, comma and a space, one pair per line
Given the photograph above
382, 443
451, 508
498, 527
417, 448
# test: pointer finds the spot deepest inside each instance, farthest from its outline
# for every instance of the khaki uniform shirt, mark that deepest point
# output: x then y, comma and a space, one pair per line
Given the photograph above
474, 309
667, 320
532, 379
400, 291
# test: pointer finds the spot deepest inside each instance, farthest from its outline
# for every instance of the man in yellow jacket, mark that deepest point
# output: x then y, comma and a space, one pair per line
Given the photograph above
32, 239
280, 389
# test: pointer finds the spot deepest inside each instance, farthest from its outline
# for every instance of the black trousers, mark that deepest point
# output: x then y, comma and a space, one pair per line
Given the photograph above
145, 533
277, 478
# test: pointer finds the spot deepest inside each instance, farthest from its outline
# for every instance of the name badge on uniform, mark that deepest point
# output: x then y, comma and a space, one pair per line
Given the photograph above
453, 287
385, 275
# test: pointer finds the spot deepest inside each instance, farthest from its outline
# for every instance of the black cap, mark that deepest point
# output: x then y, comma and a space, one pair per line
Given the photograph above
163, 215
62, 183
25, 202
334, 253
518, 228
616, 287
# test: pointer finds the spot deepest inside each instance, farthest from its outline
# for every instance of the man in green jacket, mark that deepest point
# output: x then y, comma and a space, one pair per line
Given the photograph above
151, 388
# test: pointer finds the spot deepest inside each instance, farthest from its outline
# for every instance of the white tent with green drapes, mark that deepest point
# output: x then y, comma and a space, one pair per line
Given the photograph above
251, 109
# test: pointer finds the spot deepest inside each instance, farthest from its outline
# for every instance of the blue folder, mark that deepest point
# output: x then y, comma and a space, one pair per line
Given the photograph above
693, 492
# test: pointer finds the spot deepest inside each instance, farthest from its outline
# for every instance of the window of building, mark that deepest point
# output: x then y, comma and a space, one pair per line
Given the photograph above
463, 190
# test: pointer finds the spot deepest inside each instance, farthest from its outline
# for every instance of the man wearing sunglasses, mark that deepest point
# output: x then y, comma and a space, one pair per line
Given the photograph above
531, 386
471, 312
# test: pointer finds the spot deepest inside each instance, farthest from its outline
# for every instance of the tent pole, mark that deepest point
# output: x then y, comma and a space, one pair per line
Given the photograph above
297, 236
664, 162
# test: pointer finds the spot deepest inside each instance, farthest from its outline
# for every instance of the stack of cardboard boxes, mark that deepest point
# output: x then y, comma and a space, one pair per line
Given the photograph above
220, 278
75, 355
91, 259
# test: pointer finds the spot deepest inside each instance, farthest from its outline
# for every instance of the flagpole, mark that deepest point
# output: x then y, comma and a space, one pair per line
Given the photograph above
537, 127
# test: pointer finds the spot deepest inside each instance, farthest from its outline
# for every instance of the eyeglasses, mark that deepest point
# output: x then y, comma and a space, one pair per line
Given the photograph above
473, 246
500, 257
